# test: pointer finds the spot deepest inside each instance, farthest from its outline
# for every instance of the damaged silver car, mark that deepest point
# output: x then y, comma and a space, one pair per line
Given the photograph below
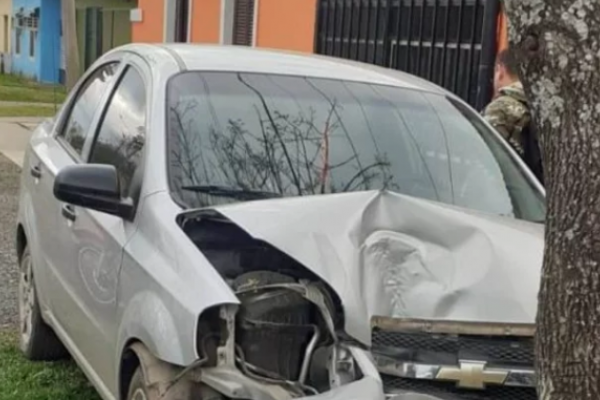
213, 222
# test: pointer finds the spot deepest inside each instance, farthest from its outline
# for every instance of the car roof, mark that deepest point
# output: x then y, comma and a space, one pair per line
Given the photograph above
203, 57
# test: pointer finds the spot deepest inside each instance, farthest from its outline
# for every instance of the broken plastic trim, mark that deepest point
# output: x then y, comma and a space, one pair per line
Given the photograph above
452, 327
226, 353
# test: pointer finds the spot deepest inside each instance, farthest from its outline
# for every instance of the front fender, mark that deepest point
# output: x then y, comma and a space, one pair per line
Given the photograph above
165, 284
148, 320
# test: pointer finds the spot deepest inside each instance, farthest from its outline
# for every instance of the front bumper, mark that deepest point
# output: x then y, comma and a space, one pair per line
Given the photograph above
228, 380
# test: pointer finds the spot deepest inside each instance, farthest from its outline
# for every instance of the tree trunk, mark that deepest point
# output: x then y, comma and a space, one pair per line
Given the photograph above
558, 43
69, 28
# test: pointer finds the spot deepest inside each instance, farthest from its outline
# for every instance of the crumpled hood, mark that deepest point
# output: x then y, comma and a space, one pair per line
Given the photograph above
391, 255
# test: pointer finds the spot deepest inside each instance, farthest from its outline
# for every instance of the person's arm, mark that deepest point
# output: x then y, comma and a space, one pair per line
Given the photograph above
504, 115
495, 115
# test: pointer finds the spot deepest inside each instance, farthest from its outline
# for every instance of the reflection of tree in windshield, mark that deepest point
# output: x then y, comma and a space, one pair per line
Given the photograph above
243, 136
289, 154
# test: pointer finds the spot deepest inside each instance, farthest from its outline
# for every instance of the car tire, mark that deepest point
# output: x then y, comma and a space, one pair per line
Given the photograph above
38, 342
138, 390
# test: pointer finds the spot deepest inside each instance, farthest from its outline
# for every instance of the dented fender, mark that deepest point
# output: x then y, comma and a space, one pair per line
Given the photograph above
148, 320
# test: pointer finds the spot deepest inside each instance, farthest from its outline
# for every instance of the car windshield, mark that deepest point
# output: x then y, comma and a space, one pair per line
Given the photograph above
246, 136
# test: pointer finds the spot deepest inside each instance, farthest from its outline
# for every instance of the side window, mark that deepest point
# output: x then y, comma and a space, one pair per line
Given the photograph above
77, 125
121, 134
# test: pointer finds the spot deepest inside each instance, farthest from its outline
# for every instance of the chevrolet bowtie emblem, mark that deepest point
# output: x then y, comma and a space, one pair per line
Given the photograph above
472, 375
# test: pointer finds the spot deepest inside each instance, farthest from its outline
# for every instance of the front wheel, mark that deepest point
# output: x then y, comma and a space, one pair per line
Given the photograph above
37, 340
139, 390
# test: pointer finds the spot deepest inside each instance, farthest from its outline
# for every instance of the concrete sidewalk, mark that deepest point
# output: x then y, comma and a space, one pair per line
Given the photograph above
14, 136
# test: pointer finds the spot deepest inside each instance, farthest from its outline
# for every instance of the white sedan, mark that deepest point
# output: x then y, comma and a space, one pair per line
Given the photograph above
204, 222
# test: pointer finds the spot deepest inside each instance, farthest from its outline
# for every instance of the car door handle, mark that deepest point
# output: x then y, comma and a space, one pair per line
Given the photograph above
69, 212
36, 171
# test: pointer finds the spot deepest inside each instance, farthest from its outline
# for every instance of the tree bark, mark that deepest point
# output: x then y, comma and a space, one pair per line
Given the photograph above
558, 45
69, 29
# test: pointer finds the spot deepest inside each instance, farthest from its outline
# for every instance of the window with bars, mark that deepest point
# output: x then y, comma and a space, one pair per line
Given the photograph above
32, 42
30, 24
243, 22
18, 34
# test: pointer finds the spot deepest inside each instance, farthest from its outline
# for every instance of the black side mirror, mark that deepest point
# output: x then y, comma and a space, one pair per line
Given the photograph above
93, 186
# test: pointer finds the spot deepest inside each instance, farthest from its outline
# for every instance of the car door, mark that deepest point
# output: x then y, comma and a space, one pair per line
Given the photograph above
99, 238
51, 152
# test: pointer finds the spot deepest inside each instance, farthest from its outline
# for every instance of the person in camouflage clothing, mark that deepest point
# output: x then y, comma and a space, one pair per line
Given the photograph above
509, 111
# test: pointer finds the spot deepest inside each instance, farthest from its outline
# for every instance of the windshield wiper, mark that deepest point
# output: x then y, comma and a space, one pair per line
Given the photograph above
236, 193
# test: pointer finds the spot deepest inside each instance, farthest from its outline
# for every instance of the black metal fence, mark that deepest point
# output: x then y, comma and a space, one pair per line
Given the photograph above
449, 42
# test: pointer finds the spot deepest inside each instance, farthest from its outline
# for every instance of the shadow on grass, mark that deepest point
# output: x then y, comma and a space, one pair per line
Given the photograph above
21, 379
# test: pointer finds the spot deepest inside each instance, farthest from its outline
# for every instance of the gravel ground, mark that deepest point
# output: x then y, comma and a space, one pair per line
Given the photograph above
9, 189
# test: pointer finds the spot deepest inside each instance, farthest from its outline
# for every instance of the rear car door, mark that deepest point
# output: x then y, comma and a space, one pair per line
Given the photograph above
98, 238
51, 152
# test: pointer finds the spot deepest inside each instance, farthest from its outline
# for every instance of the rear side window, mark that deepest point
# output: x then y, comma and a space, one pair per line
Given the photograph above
85, 105
121, 134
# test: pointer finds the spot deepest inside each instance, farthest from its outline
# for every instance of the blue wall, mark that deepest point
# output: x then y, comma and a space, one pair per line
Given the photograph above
21, 62
44, 66
50, 41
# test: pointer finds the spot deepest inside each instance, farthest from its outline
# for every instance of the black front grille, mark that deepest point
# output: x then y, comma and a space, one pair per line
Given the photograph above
449, 391
494, 350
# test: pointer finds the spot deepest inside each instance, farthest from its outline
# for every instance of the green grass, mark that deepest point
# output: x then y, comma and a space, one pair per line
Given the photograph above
31, 94
26, 111
15, 88
19, 81
24, 380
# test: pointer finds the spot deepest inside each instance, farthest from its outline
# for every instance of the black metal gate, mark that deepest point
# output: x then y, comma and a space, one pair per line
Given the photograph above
449, 42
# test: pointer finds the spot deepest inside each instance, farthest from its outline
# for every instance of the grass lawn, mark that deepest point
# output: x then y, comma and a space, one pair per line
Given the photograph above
24, 380
15, 88
26, 111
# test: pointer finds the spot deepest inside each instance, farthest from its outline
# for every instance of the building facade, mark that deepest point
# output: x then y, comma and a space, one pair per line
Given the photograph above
35, 36
36, 43
101, 26
450, 42
279, 24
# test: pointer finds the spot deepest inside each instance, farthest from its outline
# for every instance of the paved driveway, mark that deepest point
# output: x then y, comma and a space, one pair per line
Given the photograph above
14, 134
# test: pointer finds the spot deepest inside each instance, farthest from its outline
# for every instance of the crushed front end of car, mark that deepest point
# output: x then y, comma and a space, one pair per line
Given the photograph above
262, 353
285, 339
321, 280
